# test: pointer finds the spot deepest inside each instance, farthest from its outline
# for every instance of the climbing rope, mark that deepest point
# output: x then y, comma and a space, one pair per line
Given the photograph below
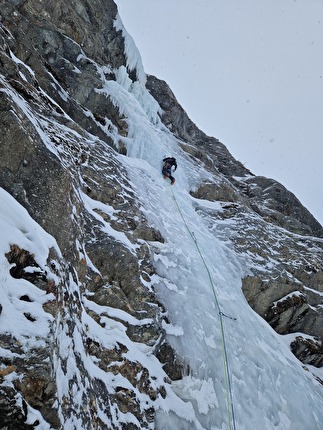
229, 397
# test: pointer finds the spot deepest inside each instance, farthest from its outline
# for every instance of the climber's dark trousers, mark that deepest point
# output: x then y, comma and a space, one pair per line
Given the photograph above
167, 171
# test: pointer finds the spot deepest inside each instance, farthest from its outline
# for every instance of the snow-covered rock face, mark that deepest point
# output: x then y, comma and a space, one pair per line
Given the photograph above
111, 281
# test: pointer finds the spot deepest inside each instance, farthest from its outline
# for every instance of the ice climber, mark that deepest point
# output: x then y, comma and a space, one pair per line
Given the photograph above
169, 162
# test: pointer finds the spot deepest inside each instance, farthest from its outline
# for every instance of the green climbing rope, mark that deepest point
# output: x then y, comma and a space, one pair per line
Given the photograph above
229, 397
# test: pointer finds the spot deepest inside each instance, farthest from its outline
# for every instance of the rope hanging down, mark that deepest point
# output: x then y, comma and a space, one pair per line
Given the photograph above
229, 397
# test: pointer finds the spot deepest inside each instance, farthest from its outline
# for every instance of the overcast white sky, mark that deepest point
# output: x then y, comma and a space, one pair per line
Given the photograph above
249, 72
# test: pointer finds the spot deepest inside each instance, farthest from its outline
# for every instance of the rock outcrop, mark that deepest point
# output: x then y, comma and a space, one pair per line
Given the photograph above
60, 47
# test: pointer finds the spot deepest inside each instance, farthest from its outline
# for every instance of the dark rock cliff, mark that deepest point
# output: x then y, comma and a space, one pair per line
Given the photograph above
59, 46
60, 145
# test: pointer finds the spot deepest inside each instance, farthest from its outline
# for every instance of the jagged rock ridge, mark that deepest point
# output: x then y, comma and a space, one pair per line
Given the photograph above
61, 147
